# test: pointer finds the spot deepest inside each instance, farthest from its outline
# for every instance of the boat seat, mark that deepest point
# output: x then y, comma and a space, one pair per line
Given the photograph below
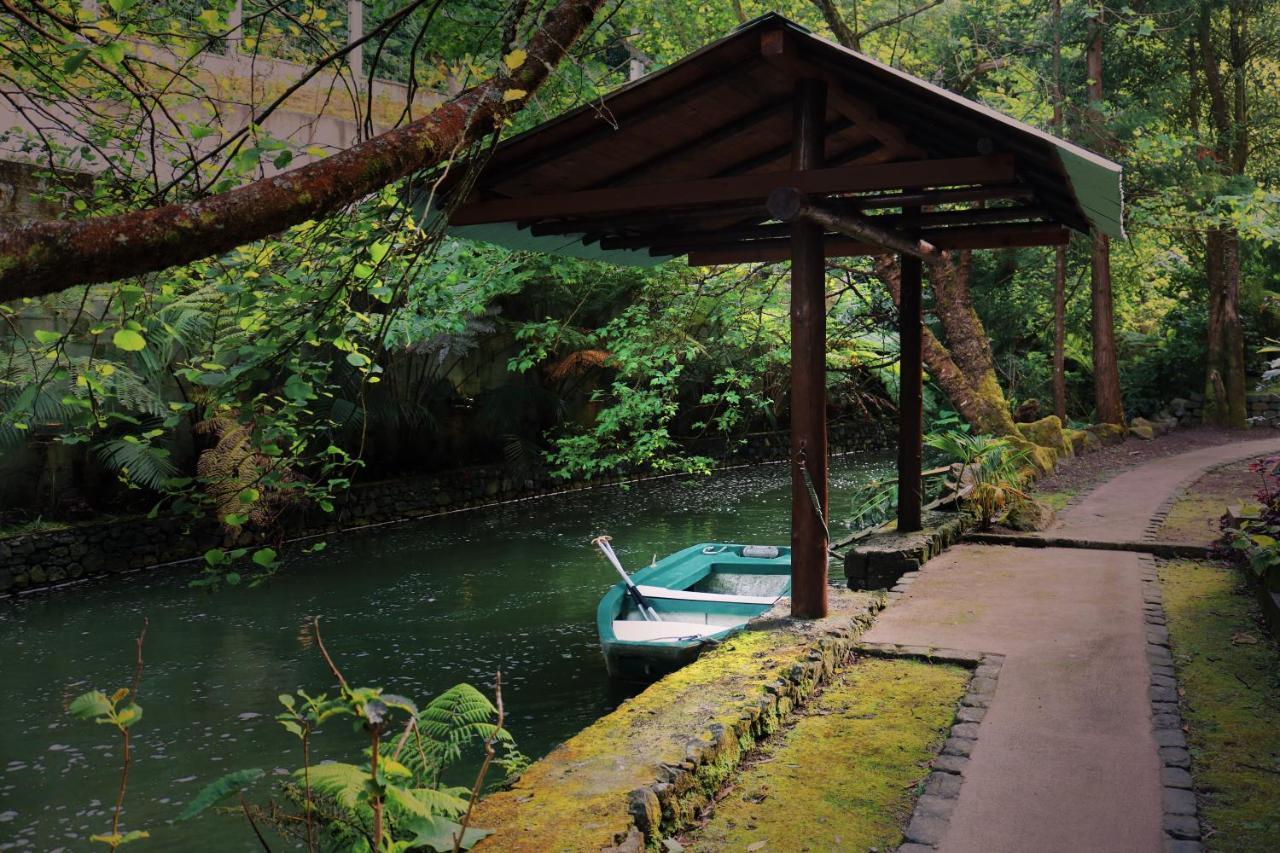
688, 595
652, 632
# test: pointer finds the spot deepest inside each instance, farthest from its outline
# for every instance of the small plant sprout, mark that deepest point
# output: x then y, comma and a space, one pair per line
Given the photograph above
121, 710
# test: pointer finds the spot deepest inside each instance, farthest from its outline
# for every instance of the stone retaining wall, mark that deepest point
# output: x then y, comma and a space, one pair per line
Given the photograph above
1189, 410
47, 558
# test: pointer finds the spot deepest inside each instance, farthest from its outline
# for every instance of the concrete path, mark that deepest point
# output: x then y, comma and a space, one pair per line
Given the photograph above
1120, 509
1066, 759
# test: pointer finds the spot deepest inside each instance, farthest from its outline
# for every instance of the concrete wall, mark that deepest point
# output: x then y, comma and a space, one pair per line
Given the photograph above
36, 560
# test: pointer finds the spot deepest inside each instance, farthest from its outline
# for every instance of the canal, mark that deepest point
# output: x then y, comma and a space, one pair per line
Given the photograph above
413, 607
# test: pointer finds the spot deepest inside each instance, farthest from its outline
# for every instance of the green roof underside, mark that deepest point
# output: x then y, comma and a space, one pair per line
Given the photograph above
508, 235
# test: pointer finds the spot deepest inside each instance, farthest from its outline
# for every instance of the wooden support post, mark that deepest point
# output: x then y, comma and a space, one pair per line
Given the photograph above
808, 371
910, 395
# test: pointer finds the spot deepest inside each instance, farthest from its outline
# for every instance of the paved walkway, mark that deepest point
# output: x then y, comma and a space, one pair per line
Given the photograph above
1066, 759
1120, 509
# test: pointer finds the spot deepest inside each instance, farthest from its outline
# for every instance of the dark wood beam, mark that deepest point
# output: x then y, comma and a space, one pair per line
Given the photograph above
685, 240
510, 165
949, 239
740, 188
624, 222
779, 50
880, 201
781, 154
910, 394
788, 204
686, 150
809, 501
936, 198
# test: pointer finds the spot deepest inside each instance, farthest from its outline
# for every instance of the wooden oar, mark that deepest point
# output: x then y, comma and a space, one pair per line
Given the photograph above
642, 603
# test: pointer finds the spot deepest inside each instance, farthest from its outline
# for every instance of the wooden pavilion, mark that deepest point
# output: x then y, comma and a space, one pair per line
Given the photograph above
772, 144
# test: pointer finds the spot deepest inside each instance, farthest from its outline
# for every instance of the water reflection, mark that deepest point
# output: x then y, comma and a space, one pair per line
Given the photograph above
413, 607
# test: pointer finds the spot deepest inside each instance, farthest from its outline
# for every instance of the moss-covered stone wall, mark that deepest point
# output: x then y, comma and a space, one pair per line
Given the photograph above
642, 772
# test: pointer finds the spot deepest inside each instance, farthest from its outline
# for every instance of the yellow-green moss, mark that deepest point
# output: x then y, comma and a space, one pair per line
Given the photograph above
1082, 441
1047, 432
575, 799
1194, 516
1227, 668
1109, 434
841, 778
1056, 501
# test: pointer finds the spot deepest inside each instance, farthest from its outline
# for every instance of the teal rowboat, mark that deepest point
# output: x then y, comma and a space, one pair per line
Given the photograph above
702, 595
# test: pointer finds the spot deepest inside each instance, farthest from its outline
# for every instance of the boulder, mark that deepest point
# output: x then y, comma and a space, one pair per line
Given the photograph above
1142, 428
1082, 441
1108, 434
1047, 432
1042, 459
1028, 411
1029, 515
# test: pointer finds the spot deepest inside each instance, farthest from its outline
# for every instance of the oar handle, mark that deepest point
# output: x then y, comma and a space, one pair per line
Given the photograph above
645, 608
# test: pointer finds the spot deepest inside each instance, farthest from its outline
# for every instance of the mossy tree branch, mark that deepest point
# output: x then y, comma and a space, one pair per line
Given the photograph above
47, 257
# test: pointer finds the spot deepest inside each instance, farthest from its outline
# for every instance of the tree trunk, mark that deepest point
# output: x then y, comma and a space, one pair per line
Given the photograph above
1059, 252
978, 398
51, 256
1225, 386
1060, 333
1225, 383
1106, 371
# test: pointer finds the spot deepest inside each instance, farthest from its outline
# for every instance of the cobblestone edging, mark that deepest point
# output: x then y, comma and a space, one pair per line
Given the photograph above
1180, 822
671, 802
931, 816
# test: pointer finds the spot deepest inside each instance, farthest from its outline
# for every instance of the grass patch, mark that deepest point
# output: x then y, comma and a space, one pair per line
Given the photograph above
1229, 671
842, 777
1056, 501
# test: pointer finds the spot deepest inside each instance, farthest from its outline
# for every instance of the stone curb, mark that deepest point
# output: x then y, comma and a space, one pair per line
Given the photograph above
670, 803
1166, 506
1180, 823
1148, 545
931, 816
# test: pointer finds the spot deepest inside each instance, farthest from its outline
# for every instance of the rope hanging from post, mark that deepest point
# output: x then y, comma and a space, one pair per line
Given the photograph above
812, 489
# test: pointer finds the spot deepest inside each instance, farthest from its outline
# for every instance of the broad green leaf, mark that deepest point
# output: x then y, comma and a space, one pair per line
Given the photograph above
128, 715
218, 790
47, 337
265, 557
89, 705
129, 340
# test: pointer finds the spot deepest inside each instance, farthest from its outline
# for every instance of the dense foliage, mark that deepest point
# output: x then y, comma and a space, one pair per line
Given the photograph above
269, 378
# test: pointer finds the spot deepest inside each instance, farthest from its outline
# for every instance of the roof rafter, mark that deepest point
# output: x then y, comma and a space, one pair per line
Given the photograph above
741, 188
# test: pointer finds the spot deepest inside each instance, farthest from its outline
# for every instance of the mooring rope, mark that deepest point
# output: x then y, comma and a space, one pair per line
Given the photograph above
816, 503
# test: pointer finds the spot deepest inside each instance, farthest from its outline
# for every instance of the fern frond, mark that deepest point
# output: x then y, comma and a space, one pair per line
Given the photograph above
137, 462
342, 782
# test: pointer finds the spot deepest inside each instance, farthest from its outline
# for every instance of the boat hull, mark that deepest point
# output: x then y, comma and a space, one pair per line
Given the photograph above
704, 594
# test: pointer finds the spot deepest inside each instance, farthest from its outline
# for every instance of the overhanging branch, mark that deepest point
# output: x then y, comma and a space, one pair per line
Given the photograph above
51, 256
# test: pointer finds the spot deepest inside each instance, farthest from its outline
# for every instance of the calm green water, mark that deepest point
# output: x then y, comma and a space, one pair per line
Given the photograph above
412, 607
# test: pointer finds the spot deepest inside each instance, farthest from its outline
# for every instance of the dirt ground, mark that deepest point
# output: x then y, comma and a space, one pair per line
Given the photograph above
1194, 518
1082, 473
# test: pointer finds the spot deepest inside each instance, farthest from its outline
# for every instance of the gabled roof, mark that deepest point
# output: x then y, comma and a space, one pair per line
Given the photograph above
680, 162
